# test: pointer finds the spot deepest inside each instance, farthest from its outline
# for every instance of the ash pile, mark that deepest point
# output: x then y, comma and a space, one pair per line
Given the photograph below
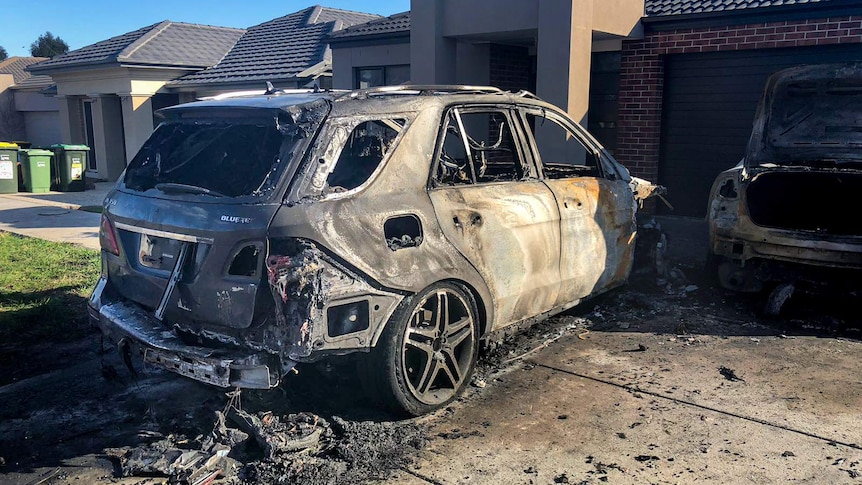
266, 448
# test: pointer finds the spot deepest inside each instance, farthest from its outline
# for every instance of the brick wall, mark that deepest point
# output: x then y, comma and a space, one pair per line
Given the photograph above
642, 72
510, 67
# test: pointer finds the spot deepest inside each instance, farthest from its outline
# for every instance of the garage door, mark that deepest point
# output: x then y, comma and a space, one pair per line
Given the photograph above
709, 105
43, 127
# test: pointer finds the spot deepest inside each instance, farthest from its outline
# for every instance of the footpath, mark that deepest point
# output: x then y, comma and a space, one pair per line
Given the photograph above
55, 216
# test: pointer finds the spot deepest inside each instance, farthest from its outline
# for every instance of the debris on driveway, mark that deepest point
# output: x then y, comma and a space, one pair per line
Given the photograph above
729, 374
294, 448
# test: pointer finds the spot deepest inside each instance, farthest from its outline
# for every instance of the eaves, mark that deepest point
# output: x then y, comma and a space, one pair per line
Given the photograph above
833, 8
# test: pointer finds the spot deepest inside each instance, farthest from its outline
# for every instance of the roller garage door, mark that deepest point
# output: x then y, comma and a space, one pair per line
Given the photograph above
709, 105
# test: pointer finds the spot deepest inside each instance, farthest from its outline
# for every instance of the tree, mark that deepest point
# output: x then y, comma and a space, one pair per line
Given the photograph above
48, 45
3, 53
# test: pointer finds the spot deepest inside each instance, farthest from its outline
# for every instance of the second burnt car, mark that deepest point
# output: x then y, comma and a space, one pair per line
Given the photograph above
789, 212
252, 233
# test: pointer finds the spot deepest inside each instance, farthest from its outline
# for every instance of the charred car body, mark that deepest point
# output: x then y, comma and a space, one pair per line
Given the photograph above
789, 212
251, 233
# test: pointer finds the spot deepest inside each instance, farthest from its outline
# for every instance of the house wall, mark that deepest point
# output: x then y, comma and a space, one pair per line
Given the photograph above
41, 115
122, 111
346, 59
642, 72
563, 32
11, 122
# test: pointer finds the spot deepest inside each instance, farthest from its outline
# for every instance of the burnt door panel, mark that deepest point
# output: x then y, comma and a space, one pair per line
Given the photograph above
510, 233
596, 209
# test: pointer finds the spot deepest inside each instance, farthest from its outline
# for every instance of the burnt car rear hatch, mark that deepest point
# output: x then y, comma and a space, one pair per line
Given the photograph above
213, 177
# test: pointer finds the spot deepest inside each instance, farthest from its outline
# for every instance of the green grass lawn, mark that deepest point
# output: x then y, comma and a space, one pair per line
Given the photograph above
43, 289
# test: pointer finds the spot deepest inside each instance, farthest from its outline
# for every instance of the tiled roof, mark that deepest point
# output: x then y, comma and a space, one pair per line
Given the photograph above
279, 49
398, 23
163, 44
658, 8
15, 66
23, 79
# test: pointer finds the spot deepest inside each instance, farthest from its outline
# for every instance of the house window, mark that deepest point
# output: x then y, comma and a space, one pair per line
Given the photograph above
369, 77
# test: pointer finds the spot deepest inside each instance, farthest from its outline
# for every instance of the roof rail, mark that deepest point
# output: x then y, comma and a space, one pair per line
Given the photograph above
424, 90
527, 94
277, 92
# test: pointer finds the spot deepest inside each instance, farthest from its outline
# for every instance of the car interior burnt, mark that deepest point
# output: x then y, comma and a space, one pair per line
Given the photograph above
362, 153
563, 153
229, 158
803, 200
478, 147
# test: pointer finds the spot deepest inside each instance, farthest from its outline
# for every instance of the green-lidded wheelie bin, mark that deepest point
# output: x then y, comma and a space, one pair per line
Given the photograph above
8, 168
70, 162
36, 167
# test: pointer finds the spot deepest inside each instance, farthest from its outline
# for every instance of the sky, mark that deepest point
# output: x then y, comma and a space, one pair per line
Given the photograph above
85, 22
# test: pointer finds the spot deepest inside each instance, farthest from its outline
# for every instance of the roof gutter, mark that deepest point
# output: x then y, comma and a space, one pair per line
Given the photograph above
832, 8
89, 66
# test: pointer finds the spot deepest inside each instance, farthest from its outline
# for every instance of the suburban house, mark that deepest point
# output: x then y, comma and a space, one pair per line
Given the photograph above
670, 86
108, 91
28, 111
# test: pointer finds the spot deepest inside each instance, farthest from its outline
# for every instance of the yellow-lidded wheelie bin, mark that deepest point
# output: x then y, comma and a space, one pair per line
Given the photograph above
8, 168
70, 162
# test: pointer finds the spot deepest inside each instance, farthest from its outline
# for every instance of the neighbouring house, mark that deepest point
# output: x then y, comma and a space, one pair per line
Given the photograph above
289, 52
108, 92
670, 86
28, 111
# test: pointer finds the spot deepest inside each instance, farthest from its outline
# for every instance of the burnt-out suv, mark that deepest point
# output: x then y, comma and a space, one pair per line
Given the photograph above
788, 213
252, 233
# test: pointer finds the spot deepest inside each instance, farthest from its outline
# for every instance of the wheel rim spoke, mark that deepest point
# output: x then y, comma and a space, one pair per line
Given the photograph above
442, 319
456, 338
435, 354
453, 371
429, 374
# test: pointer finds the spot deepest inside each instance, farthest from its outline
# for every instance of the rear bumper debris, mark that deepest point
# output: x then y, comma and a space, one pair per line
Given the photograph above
126, 324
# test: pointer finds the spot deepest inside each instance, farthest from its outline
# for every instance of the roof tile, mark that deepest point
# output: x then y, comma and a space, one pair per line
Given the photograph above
658, 8
164, 43
279, 49
397, 23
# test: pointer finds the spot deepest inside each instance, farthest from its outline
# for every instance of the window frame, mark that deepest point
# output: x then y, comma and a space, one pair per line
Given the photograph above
524, 156
384, 70
589, 143
312, 168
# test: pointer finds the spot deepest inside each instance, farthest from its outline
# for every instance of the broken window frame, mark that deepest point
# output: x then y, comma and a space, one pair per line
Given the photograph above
605, 164
313, 178
453, 114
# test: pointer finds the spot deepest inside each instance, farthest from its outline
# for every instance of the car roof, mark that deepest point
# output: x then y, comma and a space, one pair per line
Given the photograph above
375, 99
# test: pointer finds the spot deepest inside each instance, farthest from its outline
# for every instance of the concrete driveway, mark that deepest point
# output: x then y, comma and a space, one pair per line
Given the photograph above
54, 215
586, 411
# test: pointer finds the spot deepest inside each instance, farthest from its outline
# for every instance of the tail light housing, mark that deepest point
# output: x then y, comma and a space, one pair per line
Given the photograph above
108, 236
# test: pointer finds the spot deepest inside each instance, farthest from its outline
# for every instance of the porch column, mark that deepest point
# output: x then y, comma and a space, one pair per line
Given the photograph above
432, 56
71, 119
137, 121
108, 134
563, 54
